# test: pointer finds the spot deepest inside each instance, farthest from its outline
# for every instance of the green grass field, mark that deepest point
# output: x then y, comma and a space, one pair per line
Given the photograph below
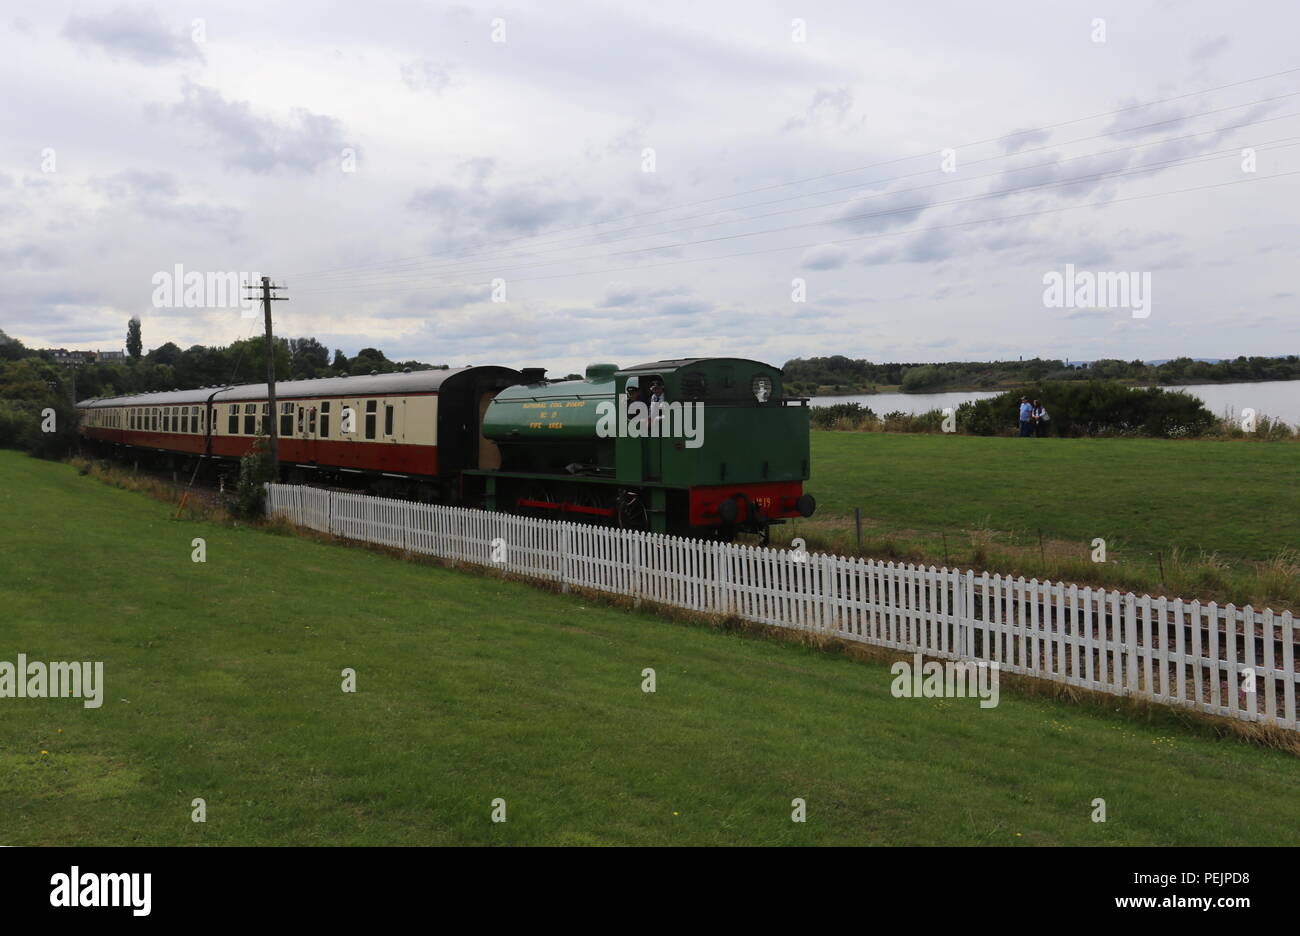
223, 682
1236, 502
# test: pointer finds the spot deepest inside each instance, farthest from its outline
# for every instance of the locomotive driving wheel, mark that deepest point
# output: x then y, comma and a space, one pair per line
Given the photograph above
589, 497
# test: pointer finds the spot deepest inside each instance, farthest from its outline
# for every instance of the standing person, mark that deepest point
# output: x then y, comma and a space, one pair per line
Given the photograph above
1026, 418
656, 399
1040, 418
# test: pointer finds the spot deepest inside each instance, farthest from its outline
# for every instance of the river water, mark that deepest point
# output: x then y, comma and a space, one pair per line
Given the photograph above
1279, 399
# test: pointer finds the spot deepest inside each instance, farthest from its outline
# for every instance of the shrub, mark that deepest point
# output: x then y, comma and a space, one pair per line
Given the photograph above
1094, 408
255, 470
842, 416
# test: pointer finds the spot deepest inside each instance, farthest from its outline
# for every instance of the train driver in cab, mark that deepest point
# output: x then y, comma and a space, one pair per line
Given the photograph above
657, 399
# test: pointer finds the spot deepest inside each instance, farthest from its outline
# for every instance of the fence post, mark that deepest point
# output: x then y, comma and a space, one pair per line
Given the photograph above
565, 553
722, 571
828, 598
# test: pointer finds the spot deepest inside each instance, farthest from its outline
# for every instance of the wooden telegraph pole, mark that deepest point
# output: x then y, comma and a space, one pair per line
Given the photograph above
272, 415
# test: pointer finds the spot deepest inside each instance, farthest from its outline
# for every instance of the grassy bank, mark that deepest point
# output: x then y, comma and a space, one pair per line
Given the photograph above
1221, 518
223, 682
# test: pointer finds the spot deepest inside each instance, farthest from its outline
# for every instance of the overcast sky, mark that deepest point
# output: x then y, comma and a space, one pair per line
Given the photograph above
389, 160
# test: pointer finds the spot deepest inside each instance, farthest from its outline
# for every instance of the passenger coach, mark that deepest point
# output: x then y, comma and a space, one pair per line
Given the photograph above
418, 425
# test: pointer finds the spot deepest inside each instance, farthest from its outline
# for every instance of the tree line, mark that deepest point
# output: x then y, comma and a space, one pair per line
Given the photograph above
839, 374
1092, 408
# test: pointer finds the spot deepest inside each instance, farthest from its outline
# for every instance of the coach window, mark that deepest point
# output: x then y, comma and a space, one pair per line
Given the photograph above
388, 419
311, 421
250, 419
266, 419
370, 418
286, 419
301, 415
325, 419
152, 419
167, 419
185, 419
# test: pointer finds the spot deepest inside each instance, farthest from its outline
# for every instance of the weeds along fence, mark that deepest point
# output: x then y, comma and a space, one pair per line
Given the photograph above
1228, 661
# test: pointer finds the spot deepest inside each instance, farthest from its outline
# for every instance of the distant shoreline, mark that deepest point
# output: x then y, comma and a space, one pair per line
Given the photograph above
1003, 388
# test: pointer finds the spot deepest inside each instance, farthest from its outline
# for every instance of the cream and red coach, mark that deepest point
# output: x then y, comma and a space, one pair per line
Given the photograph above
420, 425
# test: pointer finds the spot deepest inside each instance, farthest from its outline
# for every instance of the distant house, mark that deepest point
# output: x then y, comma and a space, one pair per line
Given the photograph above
74, 358
64, 356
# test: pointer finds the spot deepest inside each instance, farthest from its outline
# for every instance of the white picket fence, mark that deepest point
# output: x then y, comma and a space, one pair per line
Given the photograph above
1235, 662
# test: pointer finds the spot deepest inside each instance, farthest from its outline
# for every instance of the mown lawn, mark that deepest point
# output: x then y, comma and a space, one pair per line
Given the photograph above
1239, 499
223, 682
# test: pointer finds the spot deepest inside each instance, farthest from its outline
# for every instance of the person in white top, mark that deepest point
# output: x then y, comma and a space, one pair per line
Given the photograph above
657, 399
1040, 419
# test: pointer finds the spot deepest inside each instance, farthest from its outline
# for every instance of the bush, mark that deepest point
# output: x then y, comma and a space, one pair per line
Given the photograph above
1094, 408
36, 411
255, 470
842, 416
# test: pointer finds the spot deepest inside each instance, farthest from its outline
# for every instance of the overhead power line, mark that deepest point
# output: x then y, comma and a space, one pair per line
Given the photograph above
882, 234
930, 153
502, 270
434, 270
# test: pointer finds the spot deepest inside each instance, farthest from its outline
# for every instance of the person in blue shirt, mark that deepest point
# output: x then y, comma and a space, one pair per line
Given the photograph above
1026, 417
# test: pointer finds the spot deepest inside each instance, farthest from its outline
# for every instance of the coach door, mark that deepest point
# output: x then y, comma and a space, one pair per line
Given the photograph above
489, 456
311, 432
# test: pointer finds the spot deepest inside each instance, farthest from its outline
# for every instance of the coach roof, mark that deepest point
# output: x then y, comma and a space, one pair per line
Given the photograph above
424, 381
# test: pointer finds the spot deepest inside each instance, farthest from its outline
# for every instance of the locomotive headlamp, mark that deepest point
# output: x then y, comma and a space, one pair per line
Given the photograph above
762, 388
